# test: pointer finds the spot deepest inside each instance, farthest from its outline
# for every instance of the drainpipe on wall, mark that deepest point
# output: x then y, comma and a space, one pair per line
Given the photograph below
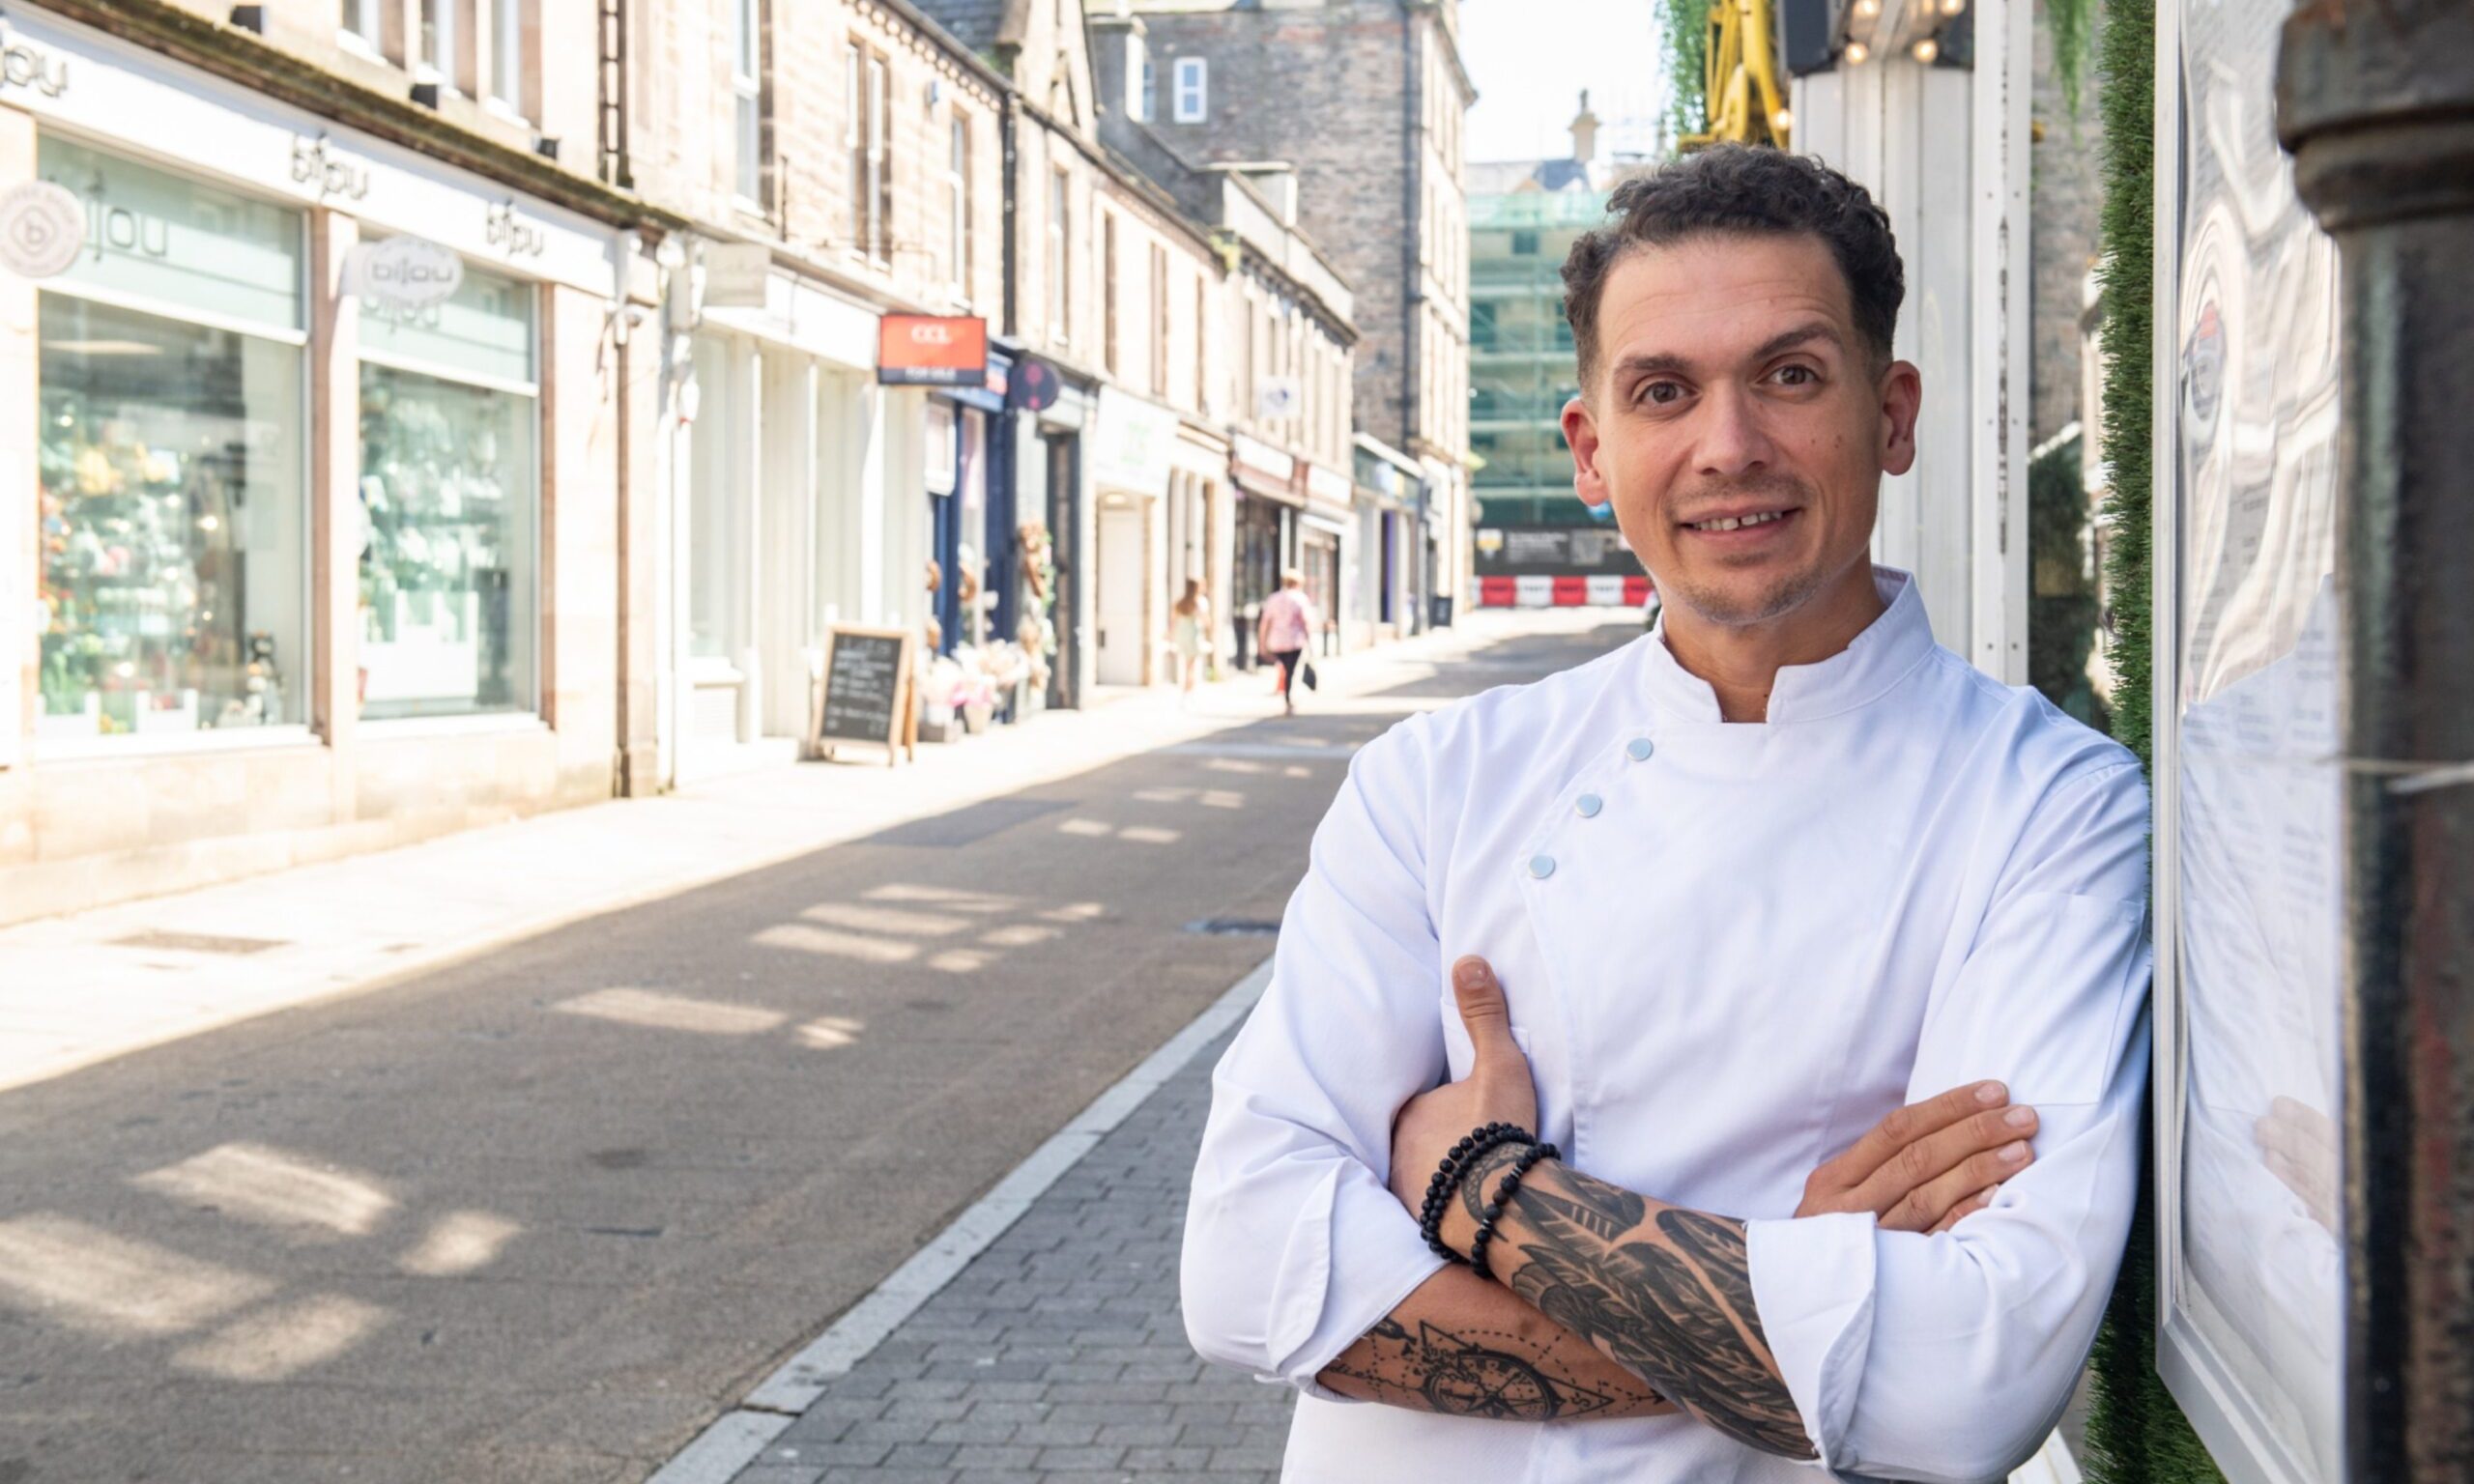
2375, 100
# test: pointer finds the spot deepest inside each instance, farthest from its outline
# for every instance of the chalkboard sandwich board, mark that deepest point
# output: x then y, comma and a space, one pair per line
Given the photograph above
864, 697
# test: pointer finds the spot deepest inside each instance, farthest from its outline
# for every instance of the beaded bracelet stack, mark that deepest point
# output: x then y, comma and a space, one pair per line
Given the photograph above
1449, 1176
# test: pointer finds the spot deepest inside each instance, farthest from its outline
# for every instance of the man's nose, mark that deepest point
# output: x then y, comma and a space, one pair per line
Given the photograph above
1732, 441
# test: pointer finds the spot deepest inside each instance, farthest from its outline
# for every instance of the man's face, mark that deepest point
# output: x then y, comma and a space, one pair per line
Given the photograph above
1736, 422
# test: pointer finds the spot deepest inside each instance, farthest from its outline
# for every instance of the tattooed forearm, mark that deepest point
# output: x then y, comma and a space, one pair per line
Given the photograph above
1664, 1291
1461, 1347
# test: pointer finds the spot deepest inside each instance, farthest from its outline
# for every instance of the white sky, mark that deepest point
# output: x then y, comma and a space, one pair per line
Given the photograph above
1530, 60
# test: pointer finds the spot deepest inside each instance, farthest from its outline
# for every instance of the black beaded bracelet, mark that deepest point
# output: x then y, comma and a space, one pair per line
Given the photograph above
1439, 1186
1502, 1196
1455, 1167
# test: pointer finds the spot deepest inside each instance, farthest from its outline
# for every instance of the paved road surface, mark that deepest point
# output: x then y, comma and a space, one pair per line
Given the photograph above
541, 1216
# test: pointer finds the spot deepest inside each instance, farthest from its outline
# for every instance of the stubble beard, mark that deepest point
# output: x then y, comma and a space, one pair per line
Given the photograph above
1723, 607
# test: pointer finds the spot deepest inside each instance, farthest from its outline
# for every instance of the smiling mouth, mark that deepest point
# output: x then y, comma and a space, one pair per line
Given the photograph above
1738, 522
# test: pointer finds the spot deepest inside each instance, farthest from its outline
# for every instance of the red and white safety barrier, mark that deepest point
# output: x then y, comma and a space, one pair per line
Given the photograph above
1563, 592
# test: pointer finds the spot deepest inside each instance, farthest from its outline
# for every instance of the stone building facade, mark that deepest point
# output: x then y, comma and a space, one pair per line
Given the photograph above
1379, 165
837, 164
303, 558
294, 564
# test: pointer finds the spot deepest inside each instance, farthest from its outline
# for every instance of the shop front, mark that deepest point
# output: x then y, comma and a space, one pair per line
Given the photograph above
1132, 452
289, 575
1265, 538
1381, 524
977, 672
1054, 503
1200, 526
779, 522
1328, 553
1387, 496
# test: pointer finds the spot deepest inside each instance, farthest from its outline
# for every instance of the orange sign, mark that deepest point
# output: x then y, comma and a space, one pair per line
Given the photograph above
926, 350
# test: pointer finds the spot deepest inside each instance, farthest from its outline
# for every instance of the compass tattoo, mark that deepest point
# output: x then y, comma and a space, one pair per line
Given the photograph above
1665, 1292
1472, 1374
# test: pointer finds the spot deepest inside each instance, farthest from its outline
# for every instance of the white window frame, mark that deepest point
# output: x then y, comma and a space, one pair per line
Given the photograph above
854, 101
506, 57
1193, 75
1060, 260
363, 28
958, 204
880, 71
747, 94
1137, 78
435, 61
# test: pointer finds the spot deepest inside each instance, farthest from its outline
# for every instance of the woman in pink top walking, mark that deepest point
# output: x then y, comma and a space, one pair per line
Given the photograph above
1286, 627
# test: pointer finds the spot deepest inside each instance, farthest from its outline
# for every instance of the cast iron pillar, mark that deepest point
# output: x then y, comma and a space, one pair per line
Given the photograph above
2375, 100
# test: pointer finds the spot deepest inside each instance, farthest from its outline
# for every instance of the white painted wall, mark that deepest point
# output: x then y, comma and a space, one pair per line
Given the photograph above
1944, 149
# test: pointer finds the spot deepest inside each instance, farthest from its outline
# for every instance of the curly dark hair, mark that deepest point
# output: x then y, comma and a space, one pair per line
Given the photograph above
1733, 188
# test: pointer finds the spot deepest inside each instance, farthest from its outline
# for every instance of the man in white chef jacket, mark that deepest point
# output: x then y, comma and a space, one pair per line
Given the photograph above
1747, 887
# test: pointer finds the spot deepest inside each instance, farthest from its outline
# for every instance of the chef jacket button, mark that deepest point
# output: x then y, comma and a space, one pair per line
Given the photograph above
1640, 749
1542, 865
1588, 805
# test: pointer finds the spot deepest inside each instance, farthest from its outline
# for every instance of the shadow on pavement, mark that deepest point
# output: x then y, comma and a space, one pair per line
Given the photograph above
542, 1215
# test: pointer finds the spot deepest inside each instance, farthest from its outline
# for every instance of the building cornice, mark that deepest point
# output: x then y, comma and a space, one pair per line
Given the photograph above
248, 60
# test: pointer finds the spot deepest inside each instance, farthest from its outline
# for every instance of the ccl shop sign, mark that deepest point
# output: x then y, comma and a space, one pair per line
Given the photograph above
928, 350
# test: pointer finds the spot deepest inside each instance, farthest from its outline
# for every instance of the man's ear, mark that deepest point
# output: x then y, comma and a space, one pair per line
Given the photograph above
1902, 398
1580, 430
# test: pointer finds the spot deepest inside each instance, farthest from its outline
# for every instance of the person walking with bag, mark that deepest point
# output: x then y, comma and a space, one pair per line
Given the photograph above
1284, 630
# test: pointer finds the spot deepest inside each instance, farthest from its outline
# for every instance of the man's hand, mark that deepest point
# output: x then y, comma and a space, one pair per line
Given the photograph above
1498, 1088
1921, 1169
1930, 1164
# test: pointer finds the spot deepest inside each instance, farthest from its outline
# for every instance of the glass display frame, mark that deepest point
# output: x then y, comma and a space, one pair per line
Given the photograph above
2251, 1261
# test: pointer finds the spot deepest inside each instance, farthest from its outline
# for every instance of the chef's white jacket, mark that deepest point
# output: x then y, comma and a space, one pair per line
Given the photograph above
1730, 949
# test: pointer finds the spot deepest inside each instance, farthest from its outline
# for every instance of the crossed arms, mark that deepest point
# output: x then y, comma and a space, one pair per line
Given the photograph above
1609, 1304
1876, 1341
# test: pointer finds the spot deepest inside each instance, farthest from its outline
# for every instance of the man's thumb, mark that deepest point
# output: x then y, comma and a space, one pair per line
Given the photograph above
1484, 1009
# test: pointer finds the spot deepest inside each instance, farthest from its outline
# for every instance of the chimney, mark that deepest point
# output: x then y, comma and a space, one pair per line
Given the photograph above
1585, 132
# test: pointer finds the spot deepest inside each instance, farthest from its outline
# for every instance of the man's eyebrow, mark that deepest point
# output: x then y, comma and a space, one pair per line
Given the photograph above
1667, 364
1644, 364
1788, 340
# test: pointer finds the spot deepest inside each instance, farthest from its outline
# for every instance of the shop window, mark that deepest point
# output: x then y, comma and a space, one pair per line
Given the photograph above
450, 496
720, 498
172, 500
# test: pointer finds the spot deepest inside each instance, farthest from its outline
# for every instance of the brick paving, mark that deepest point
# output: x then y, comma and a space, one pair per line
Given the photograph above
1057, 1357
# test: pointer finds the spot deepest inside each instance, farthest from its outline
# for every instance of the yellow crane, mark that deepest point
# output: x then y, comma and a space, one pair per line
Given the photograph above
1742, 102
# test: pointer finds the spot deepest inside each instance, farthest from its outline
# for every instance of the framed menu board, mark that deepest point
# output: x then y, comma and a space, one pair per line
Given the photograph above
2249, 779
864, 693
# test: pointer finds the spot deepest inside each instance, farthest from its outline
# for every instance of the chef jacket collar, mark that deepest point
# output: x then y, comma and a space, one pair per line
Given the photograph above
1877, 659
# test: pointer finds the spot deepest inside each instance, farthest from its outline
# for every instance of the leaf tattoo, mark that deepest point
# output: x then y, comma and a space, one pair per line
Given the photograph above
1669, 1299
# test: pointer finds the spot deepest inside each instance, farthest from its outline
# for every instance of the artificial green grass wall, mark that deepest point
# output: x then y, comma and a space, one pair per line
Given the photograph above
2135, 1434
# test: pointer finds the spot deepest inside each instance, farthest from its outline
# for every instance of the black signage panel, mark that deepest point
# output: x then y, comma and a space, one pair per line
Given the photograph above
866, 699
